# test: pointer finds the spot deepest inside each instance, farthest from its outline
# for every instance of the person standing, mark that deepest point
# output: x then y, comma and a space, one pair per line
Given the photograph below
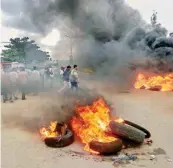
66, 78
62, 69
42, 76
74, 79
49, 76
35, 80
22, 80
13, 77
6, 87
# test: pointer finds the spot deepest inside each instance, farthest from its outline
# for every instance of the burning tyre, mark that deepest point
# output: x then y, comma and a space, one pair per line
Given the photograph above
106, 147
58, 142
155, 82
126, 131
57, 135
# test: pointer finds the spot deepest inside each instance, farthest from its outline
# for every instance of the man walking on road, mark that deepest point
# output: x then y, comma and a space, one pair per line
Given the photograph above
66, 78
74, 79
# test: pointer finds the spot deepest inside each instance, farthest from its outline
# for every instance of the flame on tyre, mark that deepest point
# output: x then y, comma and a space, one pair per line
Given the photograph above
161, 82
51, 130
90, 123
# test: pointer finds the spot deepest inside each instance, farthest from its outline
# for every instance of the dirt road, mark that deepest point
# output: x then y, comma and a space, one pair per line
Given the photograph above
22, 147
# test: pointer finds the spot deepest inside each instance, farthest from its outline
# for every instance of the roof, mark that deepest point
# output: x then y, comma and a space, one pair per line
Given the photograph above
4, 60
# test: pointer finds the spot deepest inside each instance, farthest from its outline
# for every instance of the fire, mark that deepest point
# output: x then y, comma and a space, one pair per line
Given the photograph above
50, 131
165, 82
91, 122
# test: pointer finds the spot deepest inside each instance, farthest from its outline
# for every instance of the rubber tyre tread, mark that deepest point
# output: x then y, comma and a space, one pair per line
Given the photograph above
128, 132
68, 139
147, 133
106, 147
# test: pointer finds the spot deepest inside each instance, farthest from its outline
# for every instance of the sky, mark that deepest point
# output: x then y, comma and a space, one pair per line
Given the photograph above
145, 7
163, 8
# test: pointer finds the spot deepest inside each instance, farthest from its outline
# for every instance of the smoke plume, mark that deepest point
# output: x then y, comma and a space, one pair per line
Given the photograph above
106, 34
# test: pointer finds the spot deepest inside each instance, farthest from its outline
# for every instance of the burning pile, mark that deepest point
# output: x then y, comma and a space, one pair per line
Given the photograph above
92, 124
156, 83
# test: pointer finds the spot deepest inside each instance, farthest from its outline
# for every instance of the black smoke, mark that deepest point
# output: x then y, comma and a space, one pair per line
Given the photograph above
111, 32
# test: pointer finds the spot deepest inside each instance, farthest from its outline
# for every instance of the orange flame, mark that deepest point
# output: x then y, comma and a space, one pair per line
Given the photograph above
91, 123
50, 131
165, 83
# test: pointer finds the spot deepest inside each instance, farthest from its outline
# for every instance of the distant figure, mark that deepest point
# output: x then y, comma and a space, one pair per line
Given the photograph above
2, 71
66, 78
62, 69
22, 80
28, 71
55, 72
35, 74
13, 77
49, 75
35, 80
6, 87
42, 76
74, 79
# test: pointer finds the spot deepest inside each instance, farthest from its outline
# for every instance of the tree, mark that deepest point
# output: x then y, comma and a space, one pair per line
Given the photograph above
24, 50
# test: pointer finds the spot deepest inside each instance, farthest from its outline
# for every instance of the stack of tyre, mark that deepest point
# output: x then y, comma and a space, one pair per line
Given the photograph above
125, 132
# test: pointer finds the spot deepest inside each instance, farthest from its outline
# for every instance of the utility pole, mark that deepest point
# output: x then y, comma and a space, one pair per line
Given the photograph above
71, 49
154, 19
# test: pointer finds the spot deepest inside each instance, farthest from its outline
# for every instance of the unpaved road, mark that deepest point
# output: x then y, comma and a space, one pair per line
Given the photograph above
24, 149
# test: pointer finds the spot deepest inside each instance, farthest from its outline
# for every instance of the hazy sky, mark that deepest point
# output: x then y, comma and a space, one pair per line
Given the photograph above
145, 7
163, 7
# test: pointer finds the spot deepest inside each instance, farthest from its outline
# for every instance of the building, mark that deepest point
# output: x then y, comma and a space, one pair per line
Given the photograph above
5, 64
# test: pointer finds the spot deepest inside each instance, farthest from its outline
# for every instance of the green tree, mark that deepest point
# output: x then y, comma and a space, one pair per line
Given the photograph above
24, 50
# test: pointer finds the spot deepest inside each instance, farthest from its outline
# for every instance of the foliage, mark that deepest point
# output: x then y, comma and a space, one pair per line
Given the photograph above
23, 50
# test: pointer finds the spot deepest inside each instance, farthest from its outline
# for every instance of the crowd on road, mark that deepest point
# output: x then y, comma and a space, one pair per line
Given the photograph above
27, 81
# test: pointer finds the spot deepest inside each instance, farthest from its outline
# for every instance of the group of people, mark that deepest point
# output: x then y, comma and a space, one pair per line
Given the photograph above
24, 81
69, 77
12, 82
21, 80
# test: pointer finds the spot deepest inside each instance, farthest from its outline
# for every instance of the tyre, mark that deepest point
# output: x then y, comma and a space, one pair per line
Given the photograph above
54, 142
147, 133
106, 148
155, 88
128, 132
